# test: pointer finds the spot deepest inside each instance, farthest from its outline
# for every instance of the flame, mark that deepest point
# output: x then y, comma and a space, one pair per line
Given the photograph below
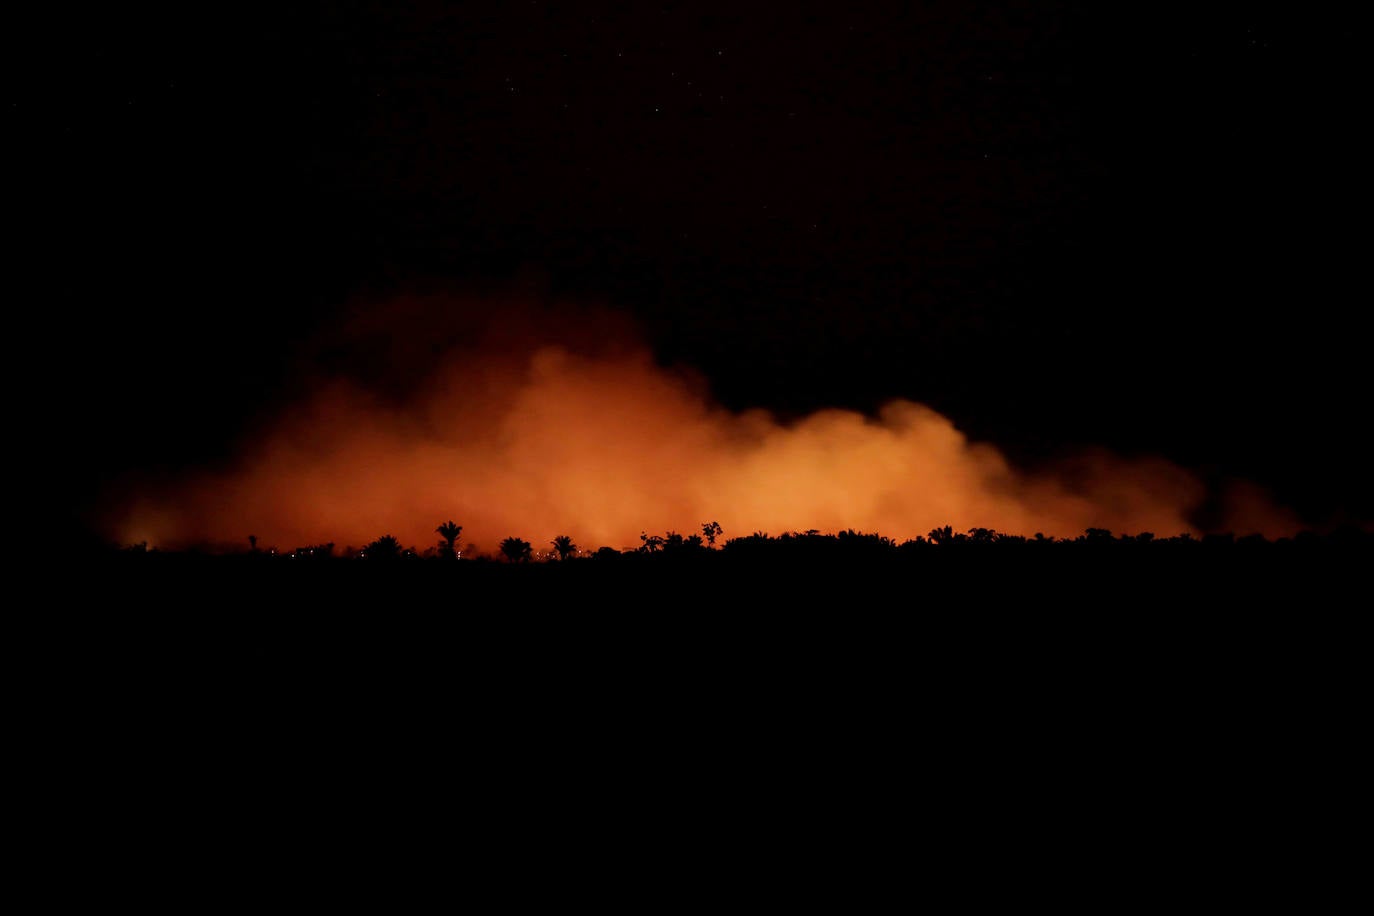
575, 430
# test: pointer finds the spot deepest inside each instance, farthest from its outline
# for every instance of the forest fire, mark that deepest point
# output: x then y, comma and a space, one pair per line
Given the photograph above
510, 435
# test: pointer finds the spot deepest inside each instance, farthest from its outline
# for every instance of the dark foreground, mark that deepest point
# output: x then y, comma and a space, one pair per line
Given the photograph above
1088, 716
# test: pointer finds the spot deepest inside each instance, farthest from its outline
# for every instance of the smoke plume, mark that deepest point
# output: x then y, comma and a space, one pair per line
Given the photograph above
537, 422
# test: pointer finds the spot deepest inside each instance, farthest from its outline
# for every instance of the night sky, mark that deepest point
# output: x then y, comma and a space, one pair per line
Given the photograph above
1130, 230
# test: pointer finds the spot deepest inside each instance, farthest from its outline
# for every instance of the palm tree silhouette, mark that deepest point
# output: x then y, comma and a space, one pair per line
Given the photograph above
517, 550
450, 533
385, 547
563, 546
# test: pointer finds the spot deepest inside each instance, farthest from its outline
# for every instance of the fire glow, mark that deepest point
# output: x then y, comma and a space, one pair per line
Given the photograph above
512, 434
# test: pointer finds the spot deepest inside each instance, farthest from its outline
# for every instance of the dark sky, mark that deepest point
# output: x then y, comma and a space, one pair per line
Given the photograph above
1133, 229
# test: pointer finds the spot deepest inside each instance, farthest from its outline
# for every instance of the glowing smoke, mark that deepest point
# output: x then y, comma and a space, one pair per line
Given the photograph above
575, 430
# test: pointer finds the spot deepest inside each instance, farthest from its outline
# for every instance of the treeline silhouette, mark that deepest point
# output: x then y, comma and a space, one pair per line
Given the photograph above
707, 572
710, 545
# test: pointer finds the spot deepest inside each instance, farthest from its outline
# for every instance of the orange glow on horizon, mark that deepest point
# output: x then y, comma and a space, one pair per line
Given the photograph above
536, 438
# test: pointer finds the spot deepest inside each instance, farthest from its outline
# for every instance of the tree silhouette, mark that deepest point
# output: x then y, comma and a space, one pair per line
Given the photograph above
385, 547
710, 531
517, 550
563, 546
449, 531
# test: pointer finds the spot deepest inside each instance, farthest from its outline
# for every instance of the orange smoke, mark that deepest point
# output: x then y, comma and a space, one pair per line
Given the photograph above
588, 437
